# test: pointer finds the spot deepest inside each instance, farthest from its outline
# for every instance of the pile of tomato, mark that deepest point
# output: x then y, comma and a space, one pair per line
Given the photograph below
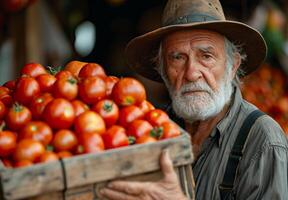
49, 114
267, 89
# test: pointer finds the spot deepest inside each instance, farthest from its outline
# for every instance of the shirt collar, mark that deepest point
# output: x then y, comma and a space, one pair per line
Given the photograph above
230, 117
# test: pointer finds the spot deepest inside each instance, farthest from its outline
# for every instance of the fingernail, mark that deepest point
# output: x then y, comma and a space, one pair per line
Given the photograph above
110, 185
166, 152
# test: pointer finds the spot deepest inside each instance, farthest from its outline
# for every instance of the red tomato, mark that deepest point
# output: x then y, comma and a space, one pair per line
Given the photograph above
110, 82
2, 110
146, 106
5, 96
17, 116
74, 67
26, 89
170, 130
89, 122
145, 139
38, 104
64, 140
128, 114
37, 130
115, 137
28, 149
65, 88
157, 117
92, 89
64, 74
48, 156
79, 107
33, 69
92, 69
128, 91
7, 163
64, 154
138, 128
59, 113
7, 143
108, 110
46, 82
23, 163
91, 143
10, 84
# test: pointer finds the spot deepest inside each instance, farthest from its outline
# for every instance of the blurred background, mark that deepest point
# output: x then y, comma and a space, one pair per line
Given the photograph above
54, 32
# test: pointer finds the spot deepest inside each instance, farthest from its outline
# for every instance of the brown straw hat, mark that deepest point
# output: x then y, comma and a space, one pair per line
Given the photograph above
194, 14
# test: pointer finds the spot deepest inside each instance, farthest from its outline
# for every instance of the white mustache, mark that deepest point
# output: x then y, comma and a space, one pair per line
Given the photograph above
196, 86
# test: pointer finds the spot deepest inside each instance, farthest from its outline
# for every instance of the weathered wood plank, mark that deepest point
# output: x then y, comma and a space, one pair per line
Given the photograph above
30, 181
125, 162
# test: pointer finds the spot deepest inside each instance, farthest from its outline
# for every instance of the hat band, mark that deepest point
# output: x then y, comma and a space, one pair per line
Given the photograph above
190, 19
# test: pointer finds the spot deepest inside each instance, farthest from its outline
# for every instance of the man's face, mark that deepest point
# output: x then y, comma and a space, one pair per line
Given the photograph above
196, 74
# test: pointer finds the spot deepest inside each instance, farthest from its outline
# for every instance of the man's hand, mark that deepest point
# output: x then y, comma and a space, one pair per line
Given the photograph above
166, 189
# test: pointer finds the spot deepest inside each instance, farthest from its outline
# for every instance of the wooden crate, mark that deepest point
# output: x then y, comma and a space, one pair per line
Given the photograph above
80, 177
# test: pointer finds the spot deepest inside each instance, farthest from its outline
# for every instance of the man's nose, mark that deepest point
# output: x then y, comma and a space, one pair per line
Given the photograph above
192, 71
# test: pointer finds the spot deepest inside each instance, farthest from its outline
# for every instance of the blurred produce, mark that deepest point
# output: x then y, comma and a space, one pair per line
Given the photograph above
48, 113
266, 88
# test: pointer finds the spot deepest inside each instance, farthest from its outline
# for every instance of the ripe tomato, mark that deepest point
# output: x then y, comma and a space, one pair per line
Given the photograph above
128, 91
92, 69
38, 104
128, 114
48, 156
108, 110
65, 88
74, 67
64, 74
157, 117
92, 89
79, 107
64, 140
33, 69
110, 82
91, 143
2, 110
17, 116
10, 84
26, 89
170, 130
59, 113
46, 82
7, 143
7, 163
64, 154
89, 122
115, 137
37, 130
146, 139
28, 149
146, 106
5, 96
23, 163
138, 128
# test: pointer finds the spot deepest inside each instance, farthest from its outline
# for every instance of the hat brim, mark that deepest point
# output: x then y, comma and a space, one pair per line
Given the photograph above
141, 50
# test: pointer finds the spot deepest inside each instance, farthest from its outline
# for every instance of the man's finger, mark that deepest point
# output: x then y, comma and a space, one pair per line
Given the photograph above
115, 195
166, 164
134, 187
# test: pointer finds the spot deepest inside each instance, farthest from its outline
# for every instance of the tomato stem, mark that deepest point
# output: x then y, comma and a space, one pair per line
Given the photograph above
107, 107
132, 140
157, 132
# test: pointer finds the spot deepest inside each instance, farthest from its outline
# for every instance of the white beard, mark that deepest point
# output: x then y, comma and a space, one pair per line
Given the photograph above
200, 105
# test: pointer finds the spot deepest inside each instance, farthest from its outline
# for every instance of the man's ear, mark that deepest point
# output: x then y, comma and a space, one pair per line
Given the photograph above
237, 63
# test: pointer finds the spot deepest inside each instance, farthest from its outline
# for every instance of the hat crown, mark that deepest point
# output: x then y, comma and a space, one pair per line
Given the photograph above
189, 11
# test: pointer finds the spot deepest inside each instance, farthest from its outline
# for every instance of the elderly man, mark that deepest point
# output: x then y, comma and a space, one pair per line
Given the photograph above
240, 152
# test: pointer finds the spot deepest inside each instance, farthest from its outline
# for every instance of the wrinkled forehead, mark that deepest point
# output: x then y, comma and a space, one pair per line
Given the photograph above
191, 36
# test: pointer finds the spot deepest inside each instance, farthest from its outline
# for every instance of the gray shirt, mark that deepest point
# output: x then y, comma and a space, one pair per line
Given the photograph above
263, 169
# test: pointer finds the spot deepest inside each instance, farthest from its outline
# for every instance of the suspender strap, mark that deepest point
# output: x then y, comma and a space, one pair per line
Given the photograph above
236, 154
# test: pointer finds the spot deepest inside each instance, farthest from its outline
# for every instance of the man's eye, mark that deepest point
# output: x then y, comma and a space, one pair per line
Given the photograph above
206, 56
177, 56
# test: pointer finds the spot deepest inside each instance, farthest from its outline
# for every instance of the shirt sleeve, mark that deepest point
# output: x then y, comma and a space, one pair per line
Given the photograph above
266, 177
